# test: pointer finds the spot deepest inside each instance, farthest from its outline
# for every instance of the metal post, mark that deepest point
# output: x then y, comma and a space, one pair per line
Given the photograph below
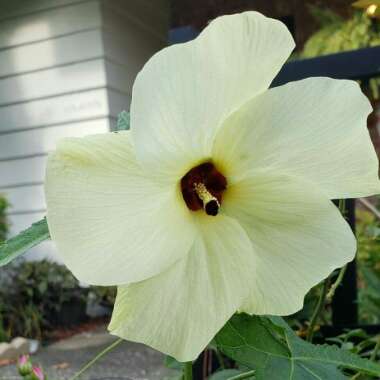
344, 305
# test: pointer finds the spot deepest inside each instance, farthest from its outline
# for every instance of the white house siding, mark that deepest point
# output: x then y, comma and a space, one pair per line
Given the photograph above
66, 69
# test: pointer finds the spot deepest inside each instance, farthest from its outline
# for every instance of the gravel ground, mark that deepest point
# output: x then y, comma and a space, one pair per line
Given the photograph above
63, 359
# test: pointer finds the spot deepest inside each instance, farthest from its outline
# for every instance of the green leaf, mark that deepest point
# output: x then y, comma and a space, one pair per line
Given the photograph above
20, 244
171, 363
271, 347
123, 121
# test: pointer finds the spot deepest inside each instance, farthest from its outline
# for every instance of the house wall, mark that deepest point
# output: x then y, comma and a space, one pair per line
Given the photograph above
66, 69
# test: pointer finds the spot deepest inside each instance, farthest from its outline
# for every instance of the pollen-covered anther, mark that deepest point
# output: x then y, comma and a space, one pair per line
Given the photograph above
210, 203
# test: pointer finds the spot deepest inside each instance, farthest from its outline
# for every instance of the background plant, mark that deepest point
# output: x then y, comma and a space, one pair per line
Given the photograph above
337, 35
3, 221
368, 234
33, 295
3, 235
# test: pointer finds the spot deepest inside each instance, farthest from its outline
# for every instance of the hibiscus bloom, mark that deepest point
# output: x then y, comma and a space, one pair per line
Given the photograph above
218, 199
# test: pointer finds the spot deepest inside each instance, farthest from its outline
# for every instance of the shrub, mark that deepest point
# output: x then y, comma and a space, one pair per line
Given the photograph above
32, 297
3, 222
36, 297
3, 234
368, 234
338, 35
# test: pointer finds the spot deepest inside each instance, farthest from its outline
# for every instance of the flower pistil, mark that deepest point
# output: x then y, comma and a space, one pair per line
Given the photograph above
210, 203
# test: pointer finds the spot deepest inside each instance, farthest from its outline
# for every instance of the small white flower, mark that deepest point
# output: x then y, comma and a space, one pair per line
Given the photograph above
218, 199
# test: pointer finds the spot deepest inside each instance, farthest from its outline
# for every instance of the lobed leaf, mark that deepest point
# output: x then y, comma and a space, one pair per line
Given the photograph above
18, 245
271, 347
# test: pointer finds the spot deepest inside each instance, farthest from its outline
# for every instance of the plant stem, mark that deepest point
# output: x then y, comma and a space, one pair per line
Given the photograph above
337, 282
342, 207
188, 371
244, 375
375, 350
317, 311
96, 358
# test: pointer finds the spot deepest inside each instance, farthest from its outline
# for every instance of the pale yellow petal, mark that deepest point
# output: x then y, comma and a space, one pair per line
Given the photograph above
113, 223
180, 311
315, 129
298, 236
185, 91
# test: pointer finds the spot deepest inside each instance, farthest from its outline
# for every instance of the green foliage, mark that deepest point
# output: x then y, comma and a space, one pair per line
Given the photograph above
32, 296
324, 16
270, 346
368, 235
123, 121
35, 297
318, 44
172, 363
3, 221
18, 245
358, 342
369, 296
338, 35
3, 233
103, 295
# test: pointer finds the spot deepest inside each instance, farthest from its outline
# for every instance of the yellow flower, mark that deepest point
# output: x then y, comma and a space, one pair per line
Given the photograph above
218, 198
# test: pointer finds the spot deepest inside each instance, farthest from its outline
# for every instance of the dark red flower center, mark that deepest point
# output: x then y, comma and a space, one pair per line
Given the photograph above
202, 188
